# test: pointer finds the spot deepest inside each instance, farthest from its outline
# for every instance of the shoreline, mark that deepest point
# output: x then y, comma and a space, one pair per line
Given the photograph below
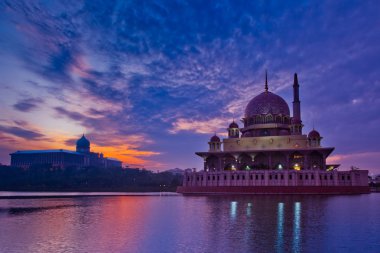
76, 194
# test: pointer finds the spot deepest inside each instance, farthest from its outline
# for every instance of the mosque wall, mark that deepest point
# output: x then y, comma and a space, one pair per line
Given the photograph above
264, 143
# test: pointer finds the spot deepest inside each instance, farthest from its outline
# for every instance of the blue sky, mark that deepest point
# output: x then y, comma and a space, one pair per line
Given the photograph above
150, 81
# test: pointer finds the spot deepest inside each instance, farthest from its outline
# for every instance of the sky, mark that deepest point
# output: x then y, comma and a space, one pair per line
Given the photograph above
149, 82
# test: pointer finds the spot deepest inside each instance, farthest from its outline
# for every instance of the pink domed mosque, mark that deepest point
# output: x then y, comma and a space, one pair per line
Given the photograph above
270, 154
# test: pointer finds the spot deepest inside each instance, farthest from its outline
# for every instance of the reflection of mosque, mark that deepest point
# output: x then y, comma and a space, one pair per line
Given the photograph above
263, 223
270, 150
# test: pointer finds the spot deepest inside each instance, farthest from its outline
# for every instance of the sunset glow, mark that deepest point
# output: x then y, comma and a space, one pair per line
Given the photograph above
150, 83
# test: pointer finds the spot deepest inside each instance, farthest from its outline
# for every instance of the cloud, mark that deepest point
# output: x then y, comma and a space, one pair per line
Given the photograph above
72, 115
22, 132
28, 104
202, 127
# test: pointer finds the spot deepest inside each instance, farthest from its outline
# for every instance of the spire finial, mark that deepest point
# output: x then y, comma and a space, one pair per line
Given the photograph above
296, 80
266, 81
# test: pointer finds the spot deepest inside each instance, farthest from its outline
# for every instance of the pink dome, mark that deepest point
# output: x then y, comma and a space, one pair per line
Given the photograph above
215, 139
314, 134
267, 103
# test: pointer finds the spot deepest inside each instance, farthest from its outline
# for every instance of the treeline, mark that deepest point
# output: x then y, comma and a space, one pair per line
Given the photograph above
43, 178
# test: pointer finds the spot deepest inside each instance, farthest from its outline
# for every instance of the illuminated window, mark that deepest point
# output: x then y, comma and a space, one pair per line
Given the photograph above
297, 166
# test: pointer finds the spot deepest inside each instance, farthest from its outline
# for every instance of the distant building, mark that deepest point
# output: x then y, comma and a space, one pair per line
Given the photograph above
61, 158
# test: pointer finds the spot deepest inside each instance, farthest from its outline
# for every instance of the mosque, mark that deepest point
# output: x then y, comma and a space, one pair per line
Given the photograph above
61, 158
270, 154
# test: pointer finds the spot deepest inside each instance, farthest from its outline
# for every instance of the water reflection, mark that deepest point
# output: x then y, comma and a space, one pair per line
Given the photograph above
280, 227
192, 224
297, 227
233, 209
29, 210
249, 209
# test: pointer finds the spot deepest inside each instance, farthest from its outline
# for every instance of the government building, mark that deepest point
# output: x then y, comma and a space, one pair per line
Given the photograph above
269, 153
61, 158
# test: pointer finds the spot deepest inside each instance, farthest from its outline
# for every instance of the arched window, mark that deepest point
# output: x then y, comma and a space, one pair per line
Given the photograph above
269, 119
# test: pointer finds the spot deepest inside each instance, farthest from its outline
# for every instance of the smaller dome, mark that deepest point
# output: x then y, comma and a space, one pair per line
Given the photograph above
234, 125
314, 134
215, 139
83, 142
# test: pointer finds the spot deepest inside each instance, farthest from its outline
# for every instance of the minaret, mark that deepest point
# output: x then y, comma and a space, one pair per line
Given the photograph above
296, 120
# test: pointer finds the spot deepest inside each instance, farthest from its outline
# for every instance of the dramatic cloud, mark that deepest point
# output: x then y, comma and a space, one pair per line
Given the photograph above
142, 78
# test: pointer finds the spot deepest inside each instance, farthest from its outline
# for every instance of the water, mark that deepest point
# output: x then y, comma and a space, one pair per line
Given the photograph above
191, 224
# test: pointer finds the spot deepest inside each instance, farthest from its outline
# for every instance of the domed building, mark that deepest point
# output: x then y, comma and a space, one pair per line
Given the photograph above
269, 149
62, 158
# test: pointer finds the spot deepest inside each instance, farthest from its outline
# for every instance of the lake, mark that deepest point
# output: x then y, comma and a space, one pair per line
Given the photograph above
175, 223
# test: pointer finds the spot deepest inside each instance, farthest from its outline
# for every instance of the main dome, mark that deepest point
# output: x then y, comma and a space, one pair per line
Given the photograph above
267, 103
